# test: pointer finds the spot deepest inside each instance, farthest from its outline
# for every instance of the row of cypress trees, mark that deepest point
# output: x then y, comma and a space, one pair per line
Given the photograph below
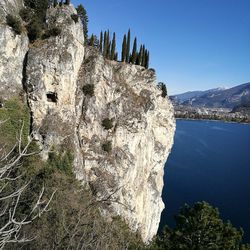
140, 57
108, 49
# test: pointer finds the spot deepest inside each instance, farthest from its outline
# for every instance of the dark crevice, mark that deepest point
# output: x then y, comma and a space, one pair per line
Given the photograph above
25, 88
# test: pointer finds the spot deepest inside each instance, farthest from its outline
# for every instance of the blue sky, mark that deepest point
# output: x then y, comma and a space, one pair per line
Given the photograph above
194, 44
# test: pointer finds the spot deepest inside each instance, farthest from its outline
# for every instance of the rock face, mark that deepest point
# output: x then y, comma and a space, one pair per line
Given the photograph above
13, 49
122, 165
52, 69
131, 174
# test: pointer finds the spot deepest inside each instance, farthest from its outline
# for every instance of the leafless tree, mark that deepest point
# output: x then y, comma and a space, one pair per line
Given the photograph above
10, 224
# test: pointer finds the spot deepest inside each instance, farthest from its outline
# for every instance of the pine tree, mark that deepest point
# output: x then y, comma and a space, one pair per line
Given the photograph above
67, 2
134, 52
101, 41
116, 56
55, 3
198, 227
84, 18
105, 44
124, 48
113, 47
128, 47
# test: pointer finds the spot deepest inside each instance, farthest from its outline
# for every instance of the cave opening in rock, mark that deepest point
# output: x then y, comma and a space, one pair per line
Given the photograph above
52, 97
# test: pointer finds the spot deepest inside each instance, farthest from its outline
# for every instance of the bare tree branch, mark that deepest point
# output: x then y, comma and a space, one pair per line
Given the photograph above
10, 224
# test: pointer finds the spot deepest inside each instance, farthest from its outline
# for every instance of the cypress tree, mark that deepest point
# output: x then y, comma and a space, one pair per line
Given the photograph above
124, 48
143, 56
134, 53
113, 47
105, 44
128, 47
91, 40
147, 60
139, 57
109, 51
101, 41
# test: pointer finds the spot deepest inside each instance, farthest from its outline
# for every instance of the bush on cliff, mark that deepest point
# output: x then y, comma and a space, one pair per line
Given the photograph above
34, 29
89, 89
163, 88
54, 31
74, 18
14, 23
107, 146
107, 123
26, 14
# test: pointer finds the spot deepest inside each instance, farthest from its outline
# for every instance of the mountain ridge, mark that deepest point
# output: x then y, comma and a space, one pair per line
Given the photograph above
215, 98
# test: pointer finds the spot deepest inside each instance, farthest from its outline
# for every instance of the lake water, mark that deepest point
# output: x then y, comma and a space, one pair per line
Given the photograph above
210, 161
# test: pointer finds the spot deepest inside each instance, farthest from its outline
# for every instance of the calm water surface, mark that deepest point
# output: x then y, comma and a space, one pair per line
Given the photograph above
210, 161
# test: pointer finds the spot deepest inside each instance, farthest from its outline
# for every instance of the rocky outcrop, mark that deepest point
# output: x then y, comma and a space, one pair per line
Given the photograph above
52, 70
13, 49
128, 177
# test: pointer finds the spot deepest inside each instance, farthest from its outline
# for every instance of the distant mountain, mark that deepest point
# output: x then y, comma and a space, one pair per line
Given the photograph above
215, 98
192, 94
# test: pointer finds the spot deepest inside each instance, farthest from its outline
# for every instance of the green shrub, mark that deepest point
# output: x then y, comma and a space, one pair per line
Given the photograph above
75, 17
88, 89
25, 14
163, 88
107, 123
14, 23
107, 146
55, 31
34, 29
61, 161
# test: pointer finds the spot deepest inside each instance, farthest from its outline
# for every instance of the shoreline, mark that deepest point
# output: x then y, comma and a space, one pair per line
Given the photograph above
212, 120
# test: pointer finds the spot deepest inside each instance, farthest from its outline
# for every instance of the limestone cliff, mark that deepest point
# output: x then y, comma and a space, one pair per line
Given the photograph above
142, 136
129, 178
13, 50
